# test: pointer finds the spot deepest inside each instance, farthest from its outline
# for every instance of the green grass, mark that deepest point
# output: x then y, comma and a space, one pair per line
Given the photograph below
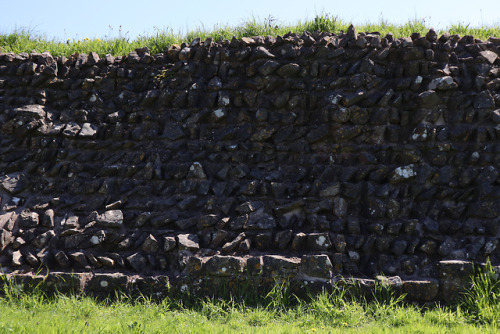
277, 312
26, 40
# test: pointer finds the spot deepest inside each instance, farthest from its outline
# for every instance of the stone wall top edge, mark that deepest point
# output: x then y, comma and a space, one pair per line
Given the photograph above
349, 39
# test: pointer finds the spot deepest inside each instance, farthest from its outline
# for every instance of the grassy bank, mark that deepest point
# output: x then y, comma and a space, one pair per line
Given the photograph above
276, 312
25, 40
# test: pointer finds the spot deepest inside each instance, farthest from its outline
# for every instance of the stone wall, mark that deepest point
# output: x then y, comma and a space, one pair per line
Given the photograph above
314, 156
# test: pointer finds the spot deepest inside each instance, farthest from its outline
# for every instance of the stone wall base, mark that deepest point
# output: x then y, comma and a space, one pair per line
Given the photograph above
455, 278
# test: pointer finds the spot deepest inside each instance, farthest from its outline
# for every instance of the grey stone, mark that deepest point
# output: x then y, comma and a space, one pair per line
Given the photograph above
28, 219
259, 220
150, 245
88, 130
7, 221
443, 83
32, 259
262, 52
48, 218
98, 237
268, 67
454, 278
196, 171
110, 218
34, 111
106, 261
71, 222
231, 245
316, 266
318, 241
169, 244
340, 207
62, 259
6, 238
71, 129
137, 262
484, 100
189, 242
17, 259
43, 239
283, 238
289, 70
424, 290
14, 183
219, 265
330, 191
490, 56
429, 99
279, 267
299, 241
245, 245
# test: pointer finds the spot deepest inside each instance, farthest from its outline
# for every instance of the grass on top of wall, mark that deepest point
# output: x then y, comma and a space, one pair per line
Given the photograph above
26, 40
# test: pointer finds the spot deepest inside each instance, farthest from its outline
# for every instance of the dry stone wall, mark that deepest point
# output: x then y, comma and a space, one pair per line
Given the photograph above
313, 156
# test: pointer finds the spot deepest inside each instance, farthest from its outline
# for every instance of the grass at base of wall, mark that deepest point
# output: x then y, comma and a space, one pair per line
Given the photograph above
276, 312
26, 40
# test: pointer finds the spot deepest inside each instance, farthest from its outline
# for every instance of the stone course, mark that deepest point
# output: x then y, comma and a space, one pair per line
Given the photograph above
306, 156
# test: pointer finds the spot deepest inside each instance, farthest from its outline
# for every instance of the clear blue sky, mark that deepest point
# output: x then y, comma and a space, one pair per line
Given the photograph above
92, 18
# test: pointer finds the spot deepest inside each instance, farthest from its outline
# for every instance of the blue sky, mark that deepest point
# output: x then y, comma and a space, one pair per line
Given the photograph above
91, 18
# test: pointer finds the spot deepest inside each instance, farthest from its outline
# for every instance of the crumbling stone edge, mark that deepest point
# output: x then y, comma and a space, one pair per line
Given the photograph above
309, 275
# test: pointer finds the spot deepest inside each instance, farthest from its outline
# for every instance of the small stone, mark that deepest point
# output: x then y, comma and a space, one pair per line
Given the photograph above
403, 173
32, 260
88, 130
28, 219
43, 239
490, 56
111, 218
421, 290
189, 242
106, 261
62, 259
262, 52
340, 206
259, 220
318, 241
283, 238
444, 83
196, 171
72, 223
150, 245
219, 265
229, 246
299, 241
317, 266
17, 259
14, 183
71, 129
277, 267
289, 70
98, 237
268, 67
245, 245
48, 218
137, 262
6, 238
429, 99
484, 100
169, 244
454, 278
330, 191
80, 259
